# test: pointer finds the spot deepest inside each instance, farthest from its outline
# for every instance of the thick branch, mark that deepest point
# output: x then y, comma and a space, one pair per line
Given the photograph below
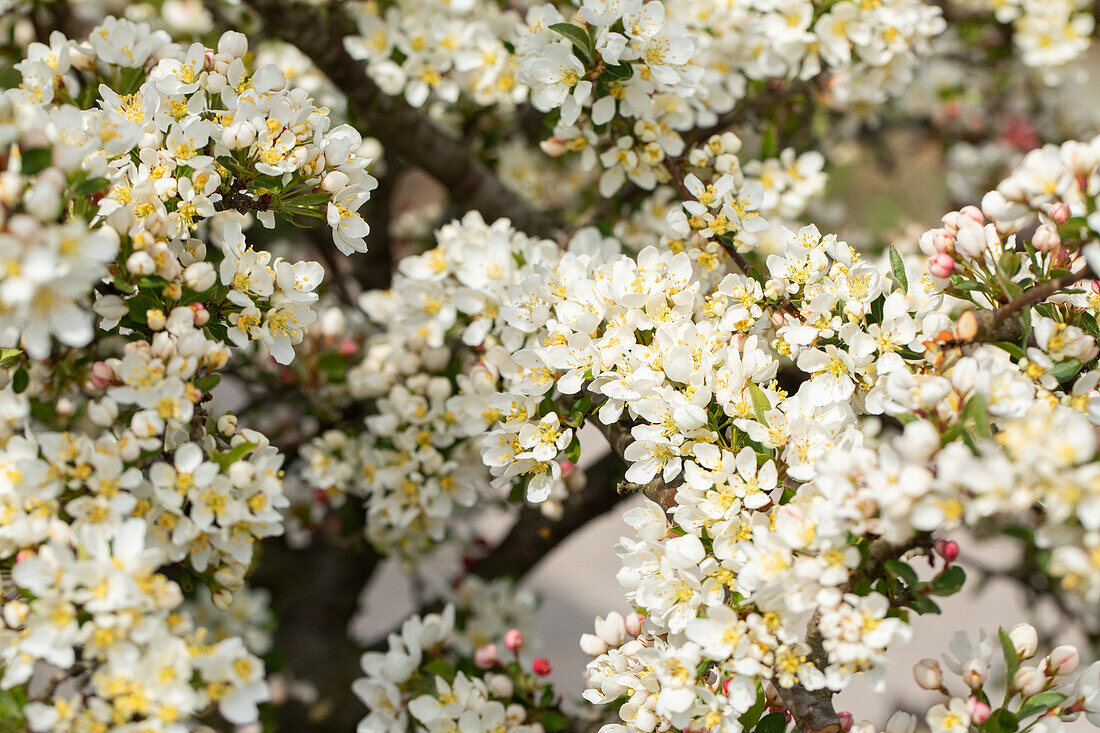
319, 32
1005, 323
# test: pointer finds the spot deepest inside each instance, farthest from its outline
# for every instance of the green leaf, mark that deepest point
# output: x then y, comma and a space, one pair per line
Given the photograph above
36, 160
1014, 351
208, 382
1040, 703
573, 451
1012, 659
760, 402
1065, 370
19, 380
440, 668
234, 454
6, 354
90, 186
1002, 721
552, 720
582, 42
772, 723
897, 266
618, 72
975, 411
752, 716
950, 582
579, 411
923, 604
903, 570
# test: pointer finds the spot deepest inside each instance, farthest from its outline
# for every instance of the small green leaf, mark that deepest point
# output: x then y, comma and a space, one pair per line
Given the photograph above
552, 720
234, 454
903, 570
90, 186
573, 451
1040, 703
760, 402
1012, 659
1065, 370
897, 266
772, 723
6, 354
207, 383
36, 160
618, 72
950, 582
923, 604
582, 42
579, 411
440, 668
19, 380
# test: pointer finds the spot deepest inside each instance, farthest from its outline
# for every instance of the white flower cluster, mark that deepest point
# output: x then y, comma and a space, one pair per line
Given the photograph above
649, 71
115, 478
406, 687
438, 49
1049, 33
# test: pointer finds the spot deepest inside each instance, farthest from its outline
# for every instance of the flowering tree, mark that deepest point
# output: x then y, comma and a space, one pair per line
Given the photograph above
208, 440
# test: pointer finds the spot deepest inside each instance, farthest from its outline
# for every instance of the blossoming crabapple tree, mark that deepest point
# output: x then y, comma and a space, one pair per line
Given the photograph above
249, 350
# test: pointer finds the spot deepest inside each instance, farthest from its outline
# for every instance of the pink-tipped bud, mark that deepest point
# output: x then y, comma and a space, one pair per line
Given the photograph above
1063, 660
947, 549
1046, 238
941, 265
102, 375
513, 639
1095, 286
1028, 681
942, 240
202, 316
973, 213
846, 720
485, 657
1060, 212
979, 711
541, 666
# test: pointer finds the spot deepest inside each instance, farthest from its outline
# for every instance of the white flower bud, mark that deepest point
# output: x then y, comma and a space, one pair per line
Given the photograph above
928, 674
515, 714
222, 599
200, 276
611, 629
239, 135
227, 424
500, 685
1028, 681
593, 645
901, 722
1024, 640
155, 318
233, 43
103, 412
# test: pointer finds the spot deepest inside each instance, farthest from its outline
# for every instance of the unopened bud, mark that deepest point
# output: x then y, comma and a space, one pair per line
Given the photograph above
1046, 238
485, 657
928, 674
513, 639
1028, 681
1063, 660
979, 711
902, 722
1024, 640
593, 645
947, 549
541, 666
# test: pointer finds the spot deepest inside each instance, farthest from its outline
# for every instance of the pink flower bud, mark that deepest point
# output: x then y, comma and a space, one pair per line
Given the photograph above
485, 657
947, 549
102, 375
634, 623
1095, 286
513, 639
1046, 238
941, 265
846, 720
1060, 212
973, 213
541, 666
348, 347
1063, 660
202, 316
942, 240
979, 711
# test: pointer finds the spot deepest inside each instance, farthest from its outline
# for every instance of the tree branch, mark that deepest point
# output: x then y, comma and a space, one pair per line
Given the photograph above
1004, 324
319, 32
